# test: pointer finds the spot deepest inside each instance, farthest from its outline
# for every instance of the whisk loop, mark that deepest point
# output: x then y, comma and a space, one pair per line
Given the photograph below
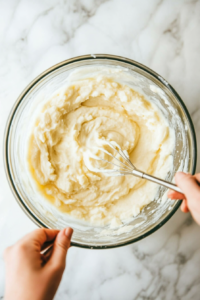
124, 167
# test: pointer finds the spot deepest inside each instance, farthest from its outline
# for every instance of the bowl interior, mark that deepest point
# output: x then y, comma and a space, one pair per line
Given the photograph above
140, 78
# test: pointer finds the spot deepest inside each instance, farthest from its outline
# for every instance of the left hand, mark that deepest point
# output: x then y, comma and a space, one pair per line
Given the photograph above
30, 275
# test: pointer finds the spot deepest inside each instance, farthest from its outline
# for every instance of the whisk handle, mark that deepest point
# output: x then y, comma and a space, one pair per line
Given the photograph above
162, 182
157, 180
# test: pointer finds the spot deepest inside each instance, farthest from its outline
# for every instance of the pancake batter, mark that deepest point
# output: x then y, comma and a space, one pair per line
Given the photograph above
78, 118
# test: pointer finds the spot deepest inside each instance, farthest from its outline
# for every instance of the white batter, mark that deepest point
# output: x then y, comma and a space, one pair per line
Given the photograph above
78, 118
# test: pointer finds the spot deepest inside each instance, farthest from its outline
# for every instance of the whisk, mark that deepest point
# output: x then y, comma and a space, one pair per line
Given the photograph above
125, 167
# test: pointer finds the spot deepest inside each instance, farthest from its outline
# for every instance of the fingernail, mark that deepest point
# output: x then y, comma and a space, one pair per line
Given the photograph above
68, 232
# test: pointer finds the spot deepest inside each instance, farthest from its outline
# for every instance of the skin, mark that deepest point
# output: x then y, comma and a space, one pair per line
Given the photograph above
190, 185
30, 275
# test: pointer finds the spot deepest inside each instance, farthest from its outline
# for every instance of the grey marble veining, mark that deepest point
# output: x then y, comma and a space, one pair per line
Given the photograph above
164, 35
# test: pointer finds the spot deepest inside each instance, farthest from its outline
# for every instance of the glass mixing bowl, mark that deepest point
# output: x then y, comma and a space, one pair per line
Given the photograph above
157, 90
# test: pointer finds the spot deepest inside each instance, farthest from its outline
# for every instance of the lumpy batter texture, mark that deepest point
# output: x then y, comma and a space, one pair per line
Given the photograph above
78, 118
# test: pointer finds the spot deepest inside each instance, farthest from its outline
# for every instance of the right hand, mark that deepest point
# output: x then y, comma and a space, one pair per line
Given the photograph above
190, 185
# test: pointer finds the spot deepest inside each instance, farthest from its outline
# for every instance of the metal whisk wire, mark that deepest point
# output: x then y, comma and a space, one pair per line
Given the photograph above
125, 168
130, 166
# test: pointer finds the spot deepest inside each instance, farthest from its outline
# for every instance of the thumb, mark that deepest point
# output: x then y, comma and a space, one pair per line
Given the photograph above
60, 247
188, 184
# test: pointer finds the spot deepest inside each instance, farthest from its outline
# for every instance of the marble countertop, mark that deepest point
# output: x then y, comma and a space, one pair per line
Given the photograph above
36, 34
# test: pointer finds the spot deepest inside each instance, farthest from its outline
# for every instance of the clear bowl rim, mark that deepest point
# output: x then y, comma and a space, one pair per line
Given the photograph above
20, 98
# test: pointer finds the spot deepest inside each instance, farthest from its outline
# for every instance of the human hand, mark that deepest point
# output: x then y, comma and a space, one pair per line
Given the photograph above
190, 185
30, 275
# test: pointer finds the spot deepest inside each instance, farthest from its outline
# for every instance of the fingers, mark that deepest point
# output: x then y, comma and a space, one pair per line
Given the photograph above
40, 236
61, 245
178, 196
175, 195
184, 206
188, 185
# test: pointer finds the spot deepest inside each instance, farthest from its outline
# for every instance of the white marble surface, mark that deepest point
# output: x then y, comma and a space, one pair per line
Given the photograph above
164, 35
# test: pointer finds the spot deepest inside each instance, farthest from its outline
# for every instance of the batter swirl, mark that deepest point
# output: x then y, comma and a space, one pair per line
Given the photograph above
77, 118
